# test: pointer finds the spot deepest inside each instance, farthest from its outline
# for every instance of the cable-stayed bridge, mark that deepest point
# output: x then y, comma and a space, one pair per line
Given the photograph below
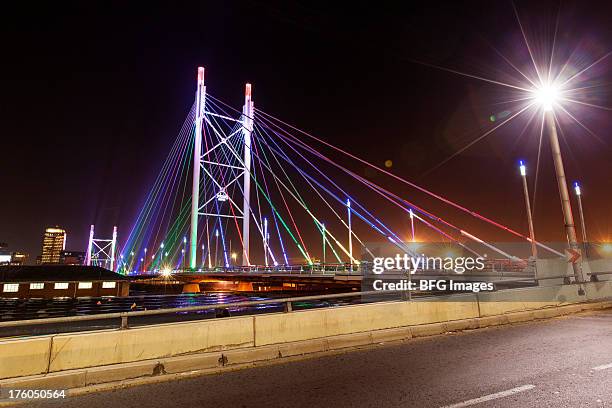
243, 190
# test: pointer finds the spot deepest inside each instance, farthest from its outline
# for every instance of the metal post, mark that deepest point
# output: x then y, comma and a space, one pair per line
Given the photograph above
247, 129
216, 247
113, 246
412, 224
323, 232
582, 223
197, 157
566, 207
350, 236
265, 241
523, 170
203, 255
89, 246
124, 321
208, 245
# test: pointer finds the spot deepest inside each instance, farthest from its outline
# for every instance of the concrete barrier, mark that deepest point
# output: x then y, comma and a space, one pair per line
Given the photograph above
317, 323
24, 357
524, 299
209, 344
599, 290
601, 265
92, 349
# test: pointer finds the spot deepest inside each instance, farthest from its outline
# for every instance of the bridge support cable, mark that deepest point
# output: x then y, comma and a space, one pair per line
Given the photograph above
259, 205
261, 142
156, 203
380, 191
308, 211
233, 151
300, 143
278, 152
402, 180
392, 237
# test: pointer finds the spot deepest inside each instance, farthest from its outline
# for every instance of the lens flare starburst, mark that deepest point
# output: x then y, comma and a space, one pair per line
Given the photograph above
553, 77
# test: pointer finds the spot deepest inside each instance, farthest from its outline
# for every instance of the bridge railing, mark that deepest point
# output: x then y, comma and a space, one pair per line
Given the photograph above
491, 265
125, 316
287, 302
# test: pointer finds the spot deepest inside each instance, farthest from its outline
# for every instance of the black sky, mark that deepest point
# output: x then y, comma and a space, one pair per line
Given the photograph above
92, 96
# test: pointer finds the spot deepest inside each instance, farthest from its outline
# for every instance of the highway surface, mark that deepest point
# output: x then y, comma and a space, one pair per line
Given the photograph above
564, 362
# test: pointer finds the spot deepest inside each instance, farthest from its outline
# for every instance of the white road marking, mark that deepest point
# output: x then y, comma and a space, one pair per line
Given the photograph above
490, 397
602, 367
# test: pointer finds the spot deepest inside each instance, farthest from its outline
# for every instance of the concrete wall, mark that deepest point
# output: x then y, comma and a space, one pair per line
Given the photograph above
69, 351
48, 354
312, 324
560, 267
24, 357
601, 265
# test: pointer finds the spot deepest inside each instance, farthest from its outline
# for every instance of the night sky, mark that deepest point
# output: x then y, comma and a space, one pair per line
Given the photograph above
92, 97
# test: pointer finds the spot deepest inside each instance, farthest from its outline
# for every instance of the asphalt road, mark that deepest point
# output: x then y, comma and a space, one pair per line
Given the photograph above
564, 362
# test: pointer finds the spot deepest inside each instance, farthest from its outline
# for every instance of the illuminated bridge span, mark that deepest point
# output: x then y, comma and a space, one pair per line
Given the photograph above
243, 188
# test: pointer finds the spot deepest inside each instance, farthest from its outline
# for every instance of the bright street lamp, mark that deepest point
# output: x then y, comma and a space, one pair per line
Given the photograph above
547, 96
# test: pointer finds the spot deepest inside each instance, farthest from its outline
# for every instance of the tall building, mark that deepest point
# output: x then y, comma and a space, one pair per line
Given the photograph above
54, 242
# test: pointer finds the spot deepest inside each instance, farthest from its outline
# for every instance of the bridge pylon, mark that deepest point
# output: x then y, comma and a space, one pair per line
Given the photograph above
222, 167
101, 252
197, 163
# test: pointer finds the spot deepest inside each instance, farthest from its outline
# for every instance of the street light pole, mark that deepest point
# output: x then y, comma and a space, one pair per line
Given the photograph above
582, 223
350, 232
203, 255
323, 233
566, 207
412, 224
523, 170
216, 247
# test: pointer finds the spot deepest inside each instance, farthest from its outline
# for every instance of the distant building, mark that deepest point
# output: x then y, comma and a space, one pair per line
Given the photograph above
51, 281
5, 257
72, 257
54, 242
11, 258
19, 258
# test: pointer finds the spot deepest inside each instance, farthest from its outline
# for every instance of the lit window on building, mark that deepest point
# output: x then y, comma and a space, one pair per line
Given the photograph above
37, 285
61, 285
108, 285
10, 287
85, 285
